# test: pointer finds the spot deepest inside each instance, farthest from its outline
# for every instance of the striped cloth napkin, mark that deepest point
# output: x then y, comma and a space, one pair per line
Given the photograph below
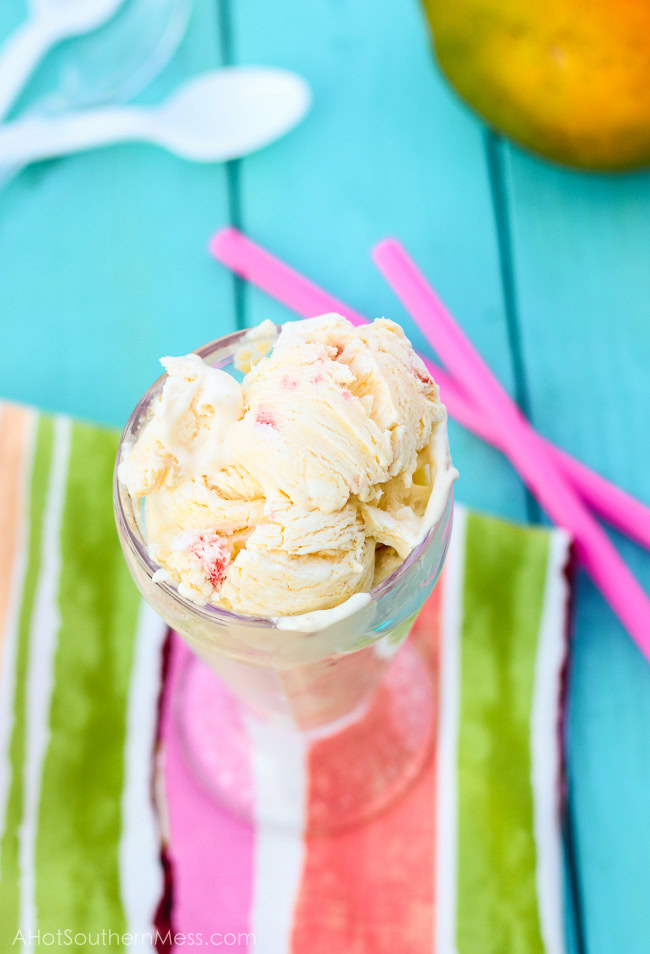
468, 861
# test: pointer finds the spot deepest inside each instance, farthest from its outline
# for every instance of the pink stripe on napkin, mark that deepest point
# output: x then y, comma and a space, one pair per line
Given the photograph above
210, 851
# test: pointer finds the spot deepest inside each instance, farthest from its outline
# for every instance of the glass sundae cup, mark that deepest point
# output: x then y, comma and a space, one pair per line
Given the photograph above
346, 675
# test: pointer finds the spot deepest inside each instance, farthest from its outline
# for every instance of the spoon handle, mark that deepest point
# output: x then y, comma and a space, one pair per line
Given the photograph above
18, 58
41, 137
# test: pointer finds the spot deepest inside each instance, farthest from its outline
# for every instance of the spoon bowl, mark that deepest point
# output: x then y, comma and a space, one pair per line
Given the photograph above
231, 112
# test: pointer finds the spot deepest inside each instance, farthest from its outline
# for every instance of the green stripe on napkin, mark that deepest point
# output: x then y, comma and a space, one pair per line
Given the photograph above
503, 599
83, 774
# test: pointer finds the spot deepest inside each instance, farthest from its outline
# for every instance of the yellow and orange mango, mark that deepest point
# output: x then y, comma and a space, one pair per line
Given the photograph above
569, 79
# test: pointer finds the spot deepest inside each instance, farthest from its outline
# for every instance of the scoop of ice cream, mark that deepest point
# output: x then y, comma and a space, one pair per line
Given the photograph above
304, 485
333, 411
303, 559
185, 435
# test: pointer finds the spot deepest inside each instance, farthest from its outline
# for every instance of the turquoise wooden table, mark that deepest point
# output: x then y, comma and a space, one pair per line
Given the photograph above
103, 266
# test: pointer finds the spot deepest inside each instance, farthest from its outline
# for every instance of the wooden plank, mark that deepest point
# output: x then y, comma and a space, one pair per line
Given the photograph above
386, 149
103, 264
580, 256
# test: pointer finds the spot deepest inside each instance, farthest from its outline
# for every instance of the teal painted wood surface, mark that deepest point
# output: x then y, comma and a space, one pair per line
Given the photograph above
580, 248
103, 267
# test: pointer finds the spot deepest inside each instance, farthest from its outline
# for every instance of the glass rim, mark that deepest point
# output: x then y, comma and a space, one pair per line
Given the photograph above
209, 611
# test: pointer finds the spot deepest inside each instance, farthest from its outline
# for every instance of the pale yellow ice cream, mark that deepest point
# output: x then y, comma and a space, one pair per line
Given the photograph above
308, 483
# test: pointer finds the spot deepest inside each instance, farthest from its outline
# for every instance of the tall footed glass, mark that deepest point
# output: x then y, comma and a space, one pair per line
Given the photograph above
343, 681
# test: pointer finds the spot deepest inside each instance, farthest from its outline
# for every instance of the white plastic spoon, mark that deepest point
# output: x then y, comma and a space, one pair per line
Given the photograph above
112, 64
214, 117
50, 22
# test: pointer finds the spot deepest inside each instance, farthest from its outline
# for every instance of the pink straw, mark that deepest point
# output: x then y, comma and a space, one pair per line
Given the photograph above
520, 443
278, 280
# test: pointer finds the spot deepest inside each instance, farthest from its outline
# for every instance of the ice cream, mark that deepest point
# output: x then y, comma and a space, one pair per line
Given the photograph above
308, 483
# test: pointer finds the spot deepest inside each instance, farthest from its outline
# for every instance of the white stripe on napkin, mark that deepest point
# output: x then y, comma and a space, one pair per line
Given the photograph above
141, 877
46, 623
545, 745
446, 860
279, 851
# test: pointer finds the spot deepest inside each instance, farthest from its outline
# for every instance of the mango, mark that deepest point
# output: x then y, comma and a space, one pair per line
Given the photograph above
568, 79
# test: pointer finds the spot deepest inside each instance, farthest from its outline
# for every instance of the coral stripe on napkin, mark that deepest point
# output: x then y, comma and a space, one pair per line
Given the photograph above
378, 878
